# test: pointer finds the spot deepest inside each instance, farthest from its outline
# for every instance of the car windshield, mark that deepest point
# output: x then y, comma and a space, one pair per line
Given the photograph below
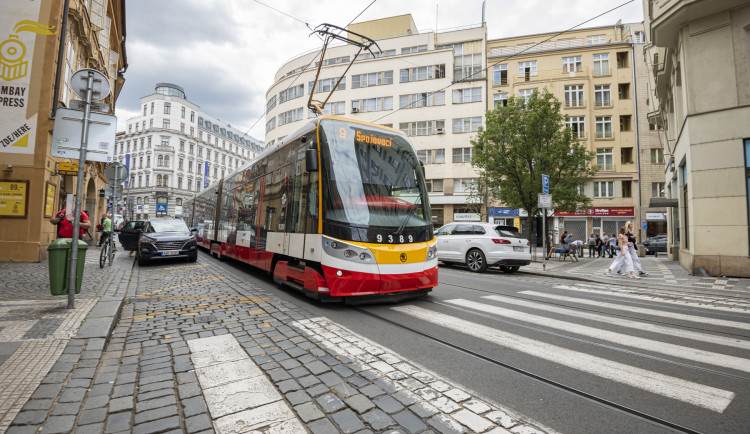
508, 233
168, 226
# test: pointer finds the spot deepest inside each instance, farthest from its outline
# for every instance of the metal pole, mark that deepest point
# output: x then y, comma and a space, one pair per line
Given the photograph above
79, 189
544, 239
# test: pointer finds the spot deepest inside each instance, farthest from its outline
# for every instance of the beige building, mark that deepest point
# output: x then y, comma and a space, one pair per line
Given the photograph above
594, 73
411, 84
699, 54
45, 43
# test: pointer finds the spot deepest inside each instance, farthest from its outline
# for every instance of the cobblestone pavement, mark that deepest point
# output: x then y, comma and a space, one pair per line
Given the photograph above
295, 372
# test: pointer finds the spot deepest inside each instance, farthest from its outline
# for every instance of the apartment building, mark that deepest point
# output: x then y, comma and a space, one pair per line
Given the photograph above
430, 85
594, 73
698, 56
173, 151
44, 44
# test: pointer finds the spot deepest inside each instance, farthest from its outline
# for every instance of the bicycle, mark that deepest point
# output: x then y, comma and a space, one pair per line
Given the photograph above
108, 250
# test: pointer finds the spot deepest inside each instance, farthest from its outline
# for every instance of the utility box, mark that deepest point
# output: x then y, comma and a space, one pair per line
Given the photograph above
59, 265
641, 250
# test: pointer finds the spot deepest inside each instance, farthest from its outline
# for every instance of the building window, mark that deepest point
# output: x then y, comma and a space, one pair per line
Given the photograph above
572, 64
626, 155
623, 91
290, 116
604, 189
604, 127
291, 93
165, 124
467, 66
463, 185
434, 185
639, 37
574, 96
189, 184
422, 73
500, 100
467, 125
526, 94
331, 108
271, 124
602, 96
144, 109
271, 103
625, 122
180, 164
431, 156
596, 40
165, 141
372, 79
462, 96
526, 70
601, 65
415, 49
657, 156
167, 108
372, 104
605, 160
577, 126
462, 155
657, 189
327, 84
500, 75
159, 161
152, 108
416, 100
422, 128
622, 59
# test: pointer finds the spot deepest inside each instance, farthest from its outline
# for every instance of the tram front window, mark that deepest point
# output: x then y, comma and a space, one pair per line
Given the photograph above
373, 187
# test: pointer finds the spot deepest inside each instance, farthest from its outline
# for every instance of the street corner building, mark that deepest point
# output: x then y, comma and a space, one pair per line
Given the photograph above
45, 43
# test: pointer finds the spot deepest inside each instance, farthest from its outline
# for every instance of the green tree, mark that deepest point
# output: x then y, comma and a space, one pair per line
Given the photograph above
522, 141
480, 196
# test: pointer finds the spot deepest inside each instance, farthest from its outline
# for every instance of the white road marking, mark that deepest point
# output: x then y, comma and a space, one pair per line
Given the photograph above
680, 351
638, 325
686, 391
656, 312
239, 396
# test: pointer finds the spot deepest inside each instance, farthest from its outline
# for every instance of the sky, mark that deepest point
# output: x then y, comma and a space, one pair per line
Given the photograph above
225, 53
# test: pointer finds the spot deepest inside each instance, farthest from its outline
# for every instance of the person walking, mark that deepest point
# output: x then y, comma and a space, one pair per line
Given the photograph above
65, 226
631, 248
612, 245
605, 245
623, 257
592, 245
598, 246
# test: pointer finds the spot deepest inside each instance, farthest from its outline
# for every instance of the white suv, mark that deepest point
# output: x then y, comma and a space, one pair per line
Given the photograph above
480, 245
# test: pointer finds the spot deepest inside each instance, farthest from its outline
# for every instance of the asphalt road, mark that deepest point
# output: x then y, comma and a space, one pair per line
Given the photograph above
571, 356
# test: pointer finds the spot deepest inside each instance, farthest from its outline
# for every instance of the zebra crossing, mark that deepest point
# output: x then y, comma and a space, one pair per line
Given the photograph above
615, 322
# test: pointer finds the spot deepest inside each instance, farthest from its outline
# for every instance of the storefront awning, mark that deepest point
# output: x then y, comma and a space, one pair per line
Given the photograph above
662, 202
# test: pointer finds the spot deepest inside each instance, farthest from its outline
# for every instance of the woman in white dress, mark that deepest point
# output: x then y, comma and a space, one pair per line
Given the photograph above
623, 256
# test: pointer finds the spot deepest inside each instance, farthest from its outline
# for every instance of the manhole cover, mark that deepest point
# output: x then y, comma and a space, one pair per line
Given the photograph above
205, 318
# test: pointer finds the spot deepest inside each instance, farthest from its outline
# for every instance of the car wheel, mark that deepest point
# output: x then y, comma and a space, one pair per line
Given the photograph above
476, 261
508, 269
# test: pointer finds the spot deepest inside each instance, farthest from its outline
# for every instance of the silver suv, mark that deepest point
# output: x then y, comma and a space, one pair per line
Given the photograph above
480, 245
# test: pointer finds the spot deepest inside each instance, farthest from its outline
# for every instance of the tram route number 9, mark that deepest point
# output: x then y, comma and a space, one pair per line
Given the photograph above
392, 239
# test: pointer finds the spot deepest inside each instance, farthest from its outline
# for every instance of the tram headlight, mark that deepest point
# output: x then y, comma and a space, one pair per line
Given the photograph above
348, 252
432, 252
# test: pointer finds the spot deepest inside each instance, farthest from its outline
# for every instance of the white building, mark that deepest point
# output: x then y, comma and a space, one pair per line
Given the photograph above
432, 86
174, 150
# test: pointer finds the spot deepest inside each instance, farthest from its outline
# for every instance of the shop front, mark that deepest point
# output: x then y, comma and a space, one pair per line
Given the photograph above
656, 223
597, 220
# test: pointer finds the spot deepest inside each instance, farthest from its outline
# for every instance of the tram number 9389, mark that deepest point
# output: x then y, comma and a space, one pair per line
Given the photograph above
395, 239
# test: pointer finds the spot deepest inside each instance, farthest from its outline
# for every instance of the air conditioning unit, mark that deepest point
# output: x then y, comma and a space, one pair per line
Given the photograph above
355, 110
439, 131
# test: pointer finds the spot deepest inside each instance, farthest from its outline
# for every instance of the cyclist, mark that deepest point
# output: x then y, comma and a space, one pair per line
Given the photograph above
106, 231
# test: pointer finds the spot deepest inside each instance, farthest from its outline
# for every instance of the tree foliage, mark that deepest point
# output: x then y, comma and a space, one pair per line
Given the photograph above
522, 141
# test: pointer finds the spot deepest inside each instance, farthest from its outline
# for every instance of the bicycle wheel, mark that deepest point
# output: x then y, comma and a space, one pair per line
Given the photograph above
111, 252
103, 255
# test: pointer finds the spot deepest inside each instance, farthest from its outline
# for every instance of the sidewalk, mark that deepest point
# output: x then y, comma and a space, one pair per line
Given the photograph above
662, 274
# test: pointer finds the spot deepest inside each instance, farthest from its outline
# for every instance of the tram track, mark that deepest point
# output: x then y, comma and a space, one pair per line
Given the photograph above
540, 378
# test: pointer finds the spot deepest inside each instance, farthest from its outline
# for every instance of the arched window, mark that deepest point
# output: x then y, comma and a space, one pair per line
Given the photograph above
179, 201
166, 161
165, 181
139, 200
145, 200
158, 178
160, 163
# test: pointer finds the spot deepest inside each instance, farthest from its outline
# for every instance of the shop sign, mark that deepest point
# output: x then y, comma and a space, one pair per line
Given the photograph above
503, 212
13, 198
466, 217
656, 216
604, 211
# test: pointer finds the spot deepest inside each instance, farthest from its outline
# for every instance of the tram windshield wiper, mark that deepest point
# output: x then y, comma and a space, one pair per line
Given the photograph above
409, 214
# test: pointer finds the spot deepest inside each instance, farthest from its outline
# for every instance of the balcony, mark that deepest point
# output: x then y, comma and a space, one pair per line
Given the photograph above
575, 103
603, 102
606, 167
602, 71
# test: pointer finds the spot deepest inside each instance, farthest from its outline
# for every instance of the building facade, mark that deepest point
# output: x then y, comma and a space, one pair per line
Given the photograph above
49, 41
430, 85
595, 73
173, 151
698, 52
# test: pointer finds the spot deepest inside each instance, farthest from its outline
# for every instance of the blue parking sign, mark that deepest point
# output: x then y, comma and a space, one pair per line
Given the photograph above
545, 184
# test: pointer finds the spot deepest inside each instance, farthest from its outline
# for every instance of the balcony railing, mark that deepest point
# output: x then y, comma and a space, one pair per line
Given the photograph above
602, 71
607, 167
603, 102
575, 103
604, 134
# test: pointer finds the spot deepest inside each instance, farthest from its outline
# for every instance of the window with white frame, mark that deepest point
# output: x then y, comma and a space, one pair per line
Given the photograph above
576, 125
602, 96
526, 93
574, 95
431, 156
639, 37
572, 64
372, 104
270, 104
291, 93
290, 116
657, 156
601, 65
604, 189
376, 55
422, 73
500, 99
167, 108
463, 185
462, 155
372, 79
422, 128
467, 125
462, 96
165, 124
605, 159
414, 49
657, 189
500, 75
332, 108
434, 185
527, 70
426, 99
604, 127
326, 85
596, 40
271, 124
468, 66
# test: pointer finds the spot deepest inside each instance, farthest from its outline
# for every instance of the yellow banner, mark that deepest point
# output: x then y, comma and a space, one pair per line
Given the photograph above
13, 198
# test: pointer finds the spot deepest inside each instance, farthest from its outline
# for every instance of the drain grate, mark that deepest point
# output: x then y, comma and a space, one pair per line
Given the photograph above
205, 318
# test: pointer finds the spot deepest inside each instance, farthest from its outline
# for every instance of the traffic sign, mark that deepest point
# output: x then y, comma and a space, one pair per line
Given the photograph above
645, 225
67, 135
545, 184
116, 171
545, 200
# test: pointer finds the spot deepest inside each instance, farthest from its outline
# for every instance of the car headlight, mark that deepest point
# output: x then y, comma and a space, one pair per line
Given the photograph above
348, 252
146, 239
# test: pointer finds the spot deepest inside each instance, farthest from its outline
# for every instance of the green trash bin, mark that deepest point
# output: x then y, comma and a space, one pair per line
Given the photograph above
59, 265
